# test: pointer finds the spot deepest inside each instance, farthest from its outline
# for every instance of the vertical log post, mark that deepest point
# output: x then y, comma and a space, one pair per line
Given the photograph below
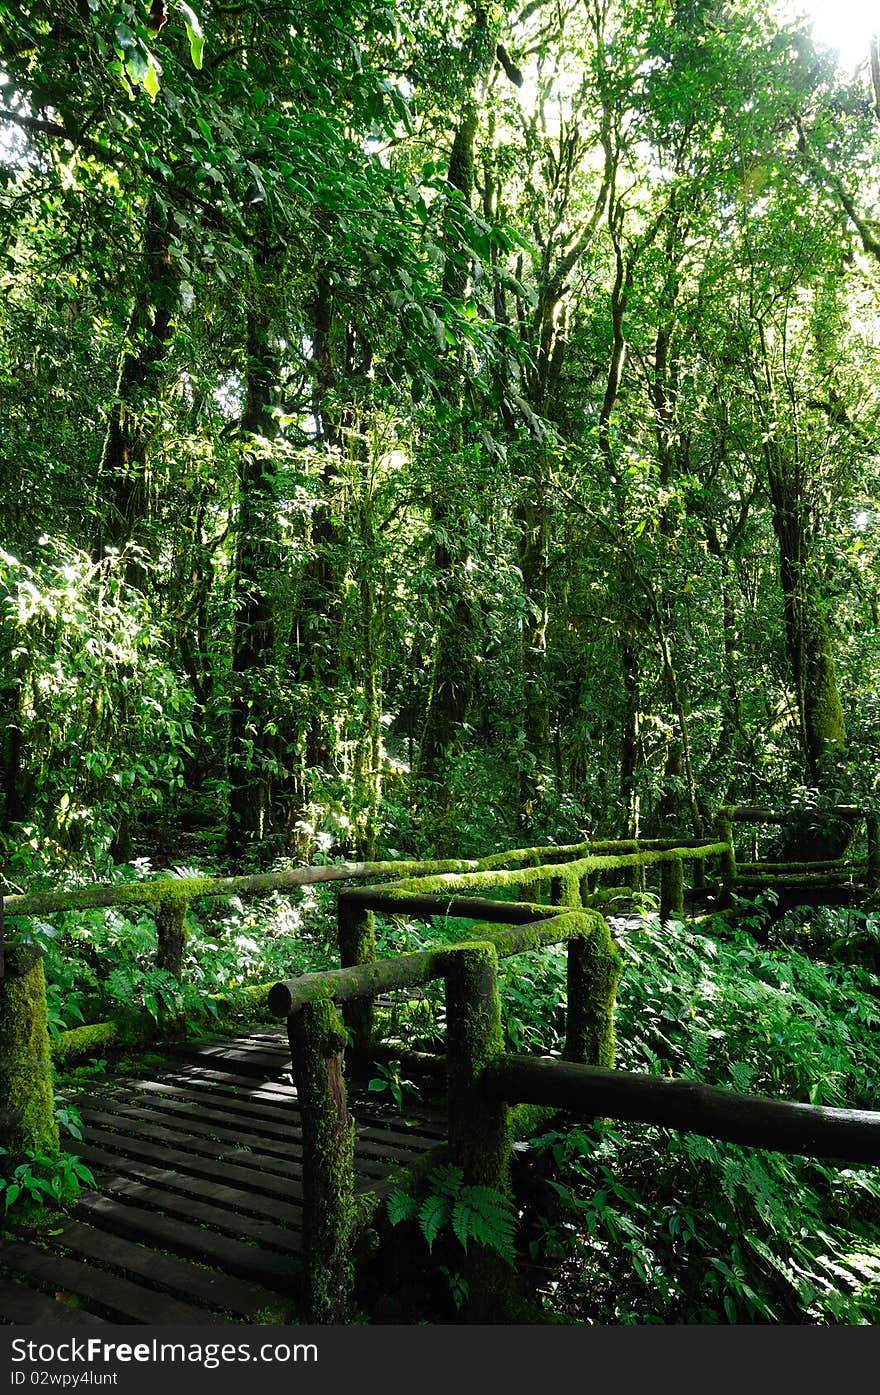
356, 929
724, 829
171, 934
555, 891
317, 1040
593, 974
671, 888
699, 873
872, 825
479, 1128
27, 1101
570, 890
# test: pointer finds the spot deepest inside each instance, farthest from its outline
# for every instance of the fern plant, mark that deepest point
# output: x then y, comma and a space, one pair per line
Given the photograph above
448, 1204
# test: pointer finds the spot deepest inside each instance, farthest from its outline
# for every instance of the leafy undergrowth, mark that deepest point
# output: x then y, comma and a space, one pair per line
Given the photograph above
635, 1224
101, 961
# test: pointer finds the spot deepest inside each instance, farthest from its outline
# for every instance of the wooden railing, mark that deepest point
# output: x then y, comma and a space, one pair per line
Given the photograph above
330, 1014
483, 1081
761, 874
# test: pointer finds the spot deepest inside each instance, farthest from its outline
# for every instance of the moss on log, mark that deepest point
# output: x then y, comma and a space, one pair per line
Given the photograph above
593, 973
27, 1102
317, 1039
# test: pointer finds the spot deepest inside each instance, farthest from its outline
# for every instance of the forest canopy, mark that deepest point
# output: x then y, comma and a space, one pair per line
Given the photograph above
428, 427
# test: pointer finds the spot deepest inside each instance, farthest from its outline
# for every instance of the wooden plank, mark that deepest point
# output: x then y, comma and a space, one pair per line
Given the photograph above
26, 1305
123, 1300
275, 1120
280, 1094
248, 1177
210, 1141
163, 1232
187, 1144
272, 1237
195, 1121
250, 1063
238, 1200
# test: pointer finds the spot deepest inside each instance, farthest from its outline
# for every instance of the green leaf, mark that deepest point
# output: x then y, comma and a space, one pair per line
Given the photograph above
401, 1207
433, 1215
193, 33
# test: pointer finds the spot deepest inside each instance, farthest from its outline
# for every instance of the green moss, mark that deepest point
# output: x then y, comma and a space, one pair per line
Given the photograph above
316, 1039
171, 932
27, 1103
593, 973
357, 945
671, 888
479, 1136
80, 1043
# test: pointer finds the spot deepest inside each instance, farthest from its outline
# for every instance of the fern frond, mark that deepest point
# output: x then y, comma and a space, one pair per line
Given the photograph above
433, 1216
401, 1207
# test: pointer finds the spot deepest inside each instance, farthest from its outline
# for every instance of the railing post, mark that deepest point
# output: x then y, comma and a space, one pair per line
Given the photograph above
479, 1128
671, 888
356, 929
27, 1102
724, 827
317, 1040
171, 934
872, 825
593, 973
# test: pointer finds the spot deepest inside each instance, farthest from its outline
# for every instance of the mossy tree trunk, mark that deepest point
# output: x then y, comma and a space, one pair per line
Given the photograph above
122, 473
253, 741
27, 1105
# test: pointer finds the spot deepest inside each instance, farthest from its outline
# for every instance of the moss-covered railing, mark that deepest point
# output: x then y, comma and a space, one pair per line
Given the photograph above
23, 1033
483, 1081
480, 1130
816, 874
480, 1133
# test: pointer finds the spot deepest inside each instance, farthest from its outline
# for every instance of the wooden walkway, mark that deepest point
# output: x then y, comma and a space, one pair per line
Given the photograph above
197, 1213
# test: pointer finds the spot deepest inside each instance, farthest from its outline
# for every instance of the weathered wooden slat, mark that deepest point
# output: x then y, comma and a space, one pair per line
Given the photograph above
281, 1095
27, 1305
169, 1233
272, 1237
214, 1141
123, 1300
196, 1166
266, 1140
276, 1119
237, 1199
139, 1129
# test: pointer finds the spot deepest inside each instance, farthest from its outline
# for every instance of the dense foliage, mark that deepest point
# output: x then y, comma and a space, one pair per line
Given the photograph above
430, 428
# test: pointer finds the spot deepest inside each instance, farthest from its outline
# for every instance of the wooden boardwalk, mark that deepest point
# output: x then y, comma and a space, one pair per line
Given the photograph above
197, 1213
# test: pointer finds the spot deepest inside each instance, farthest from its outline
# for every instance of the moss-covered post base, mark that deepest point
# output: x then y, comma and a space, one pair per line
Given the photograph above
27, 1102
171, 934
317, 1040
593, 974
479, 1128
724, 834
356, 929
671, 889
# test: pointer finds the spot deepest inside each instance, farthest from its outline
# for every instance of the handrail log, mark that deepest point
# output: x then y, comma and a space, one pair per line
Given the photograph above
462, 881
428, 905
410, 970
151, 891
850, 1135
